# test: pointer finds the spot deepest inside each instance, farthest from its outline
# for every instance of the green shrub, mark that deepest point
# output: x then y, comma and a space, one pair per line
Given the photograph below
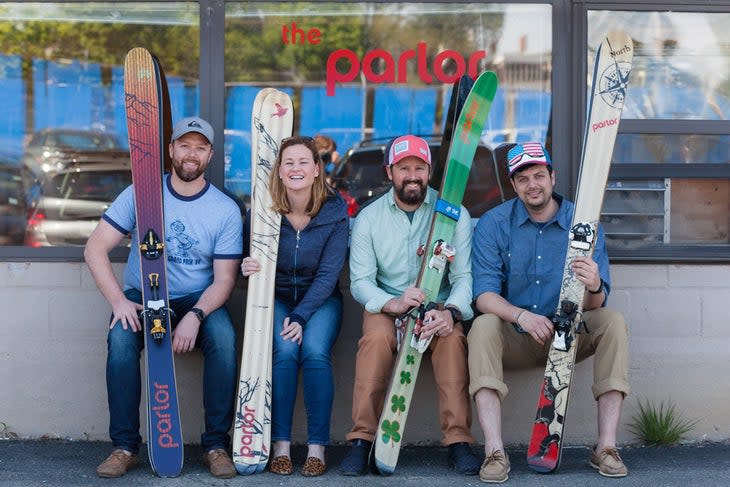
660, 425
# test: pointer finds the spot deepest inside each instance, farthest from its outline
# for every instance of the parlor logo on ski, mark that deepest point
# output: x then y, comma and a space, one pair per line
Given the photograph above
249, 430
164, 423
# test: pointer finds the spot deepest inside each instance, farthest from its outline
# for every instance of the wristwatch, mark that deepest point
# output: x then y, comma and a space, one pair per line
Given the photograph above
455, 314
600, 288
199, 313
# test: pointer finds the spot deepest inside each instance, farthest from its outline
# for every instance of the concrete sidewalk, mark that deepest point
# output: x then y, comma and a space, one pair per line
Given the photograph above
64, 463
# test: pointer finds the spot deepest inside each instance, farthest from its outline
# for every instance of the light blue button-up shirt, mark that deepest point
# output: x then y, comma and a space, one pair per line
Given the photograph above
523, 261
384, 260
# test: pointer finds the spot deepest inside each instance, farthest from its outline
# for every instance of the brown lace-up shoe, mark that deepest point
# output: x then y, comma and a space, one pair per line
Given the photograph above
219, 463
313, 467
495, 468
608, 462
117, 464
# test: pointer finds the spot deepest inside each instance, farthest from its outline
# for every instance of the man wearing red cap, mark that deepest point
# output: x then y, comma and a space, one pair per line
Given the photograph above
384, 266
519, 252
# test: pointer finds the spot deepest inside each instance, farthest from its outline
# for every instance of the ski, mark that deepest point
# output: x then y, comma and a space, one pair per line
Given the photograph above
143, 89
459, 91
437, 253
272, 121
610, 81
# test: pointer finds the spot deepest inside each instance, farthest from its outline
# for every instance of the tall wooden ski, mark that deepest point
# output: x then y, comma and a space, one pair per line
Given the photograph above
610, 82
272, 121
434, 265
143, 85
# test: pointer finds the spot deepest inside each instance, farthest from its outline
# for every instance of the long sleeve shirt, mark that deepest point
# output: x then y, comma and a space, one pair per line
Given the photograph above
384, 259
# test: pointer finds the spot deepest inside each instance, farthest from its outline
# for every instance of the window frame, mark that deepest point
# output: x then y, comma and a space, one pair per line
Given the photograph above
663, 253
569, 65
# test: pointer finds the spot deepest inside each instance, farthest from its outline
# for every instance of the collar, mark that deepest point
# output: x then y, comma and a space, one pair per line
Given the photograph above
562, 217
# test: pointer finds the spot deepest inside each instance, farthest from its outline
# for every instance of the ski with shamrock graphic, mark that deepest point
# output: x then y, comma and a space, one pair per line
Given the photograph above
606, 100
272, 120
144, 91
434, 267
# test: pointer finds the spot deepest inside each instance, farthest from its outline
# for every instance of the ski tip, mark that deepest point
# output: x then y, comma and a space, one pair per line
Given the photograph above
541, 465
384, 469
246, 469
168, 474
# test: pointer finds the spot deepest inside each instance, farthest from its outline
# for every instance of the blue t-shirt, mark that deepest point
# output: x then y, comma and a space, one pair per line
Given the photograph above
523, 261
198, 229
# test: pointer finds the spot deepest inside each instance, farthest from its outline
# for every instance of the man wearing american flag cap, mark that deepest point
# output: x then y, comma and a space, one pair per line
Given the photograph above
518, 254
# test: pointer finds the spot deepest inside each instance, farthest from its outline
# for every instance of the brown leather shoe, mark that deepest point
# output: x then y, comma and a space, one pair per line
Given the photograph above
219, 463
608, 462
495, 468
117, 464
281, 465
313, 467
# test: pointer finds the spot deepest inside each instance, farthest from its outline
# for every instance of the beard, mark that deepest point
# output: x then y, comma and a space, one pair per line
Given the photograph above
411, 197
190, 174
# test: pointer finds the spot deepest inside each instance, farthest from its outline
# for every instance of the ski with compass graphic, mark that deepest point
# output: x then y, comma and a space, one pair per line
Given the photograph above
605, 102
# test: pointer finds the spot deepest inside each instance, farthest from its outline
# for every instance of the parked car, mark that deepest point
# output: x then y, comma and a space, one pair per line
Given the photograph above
72, 201
237, 163
360, 176
53, 149
15, 200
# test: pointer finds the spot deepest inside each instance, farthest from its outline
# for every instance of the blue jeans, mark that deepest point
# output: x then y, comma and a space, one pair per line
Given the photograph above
216, 338
314, 357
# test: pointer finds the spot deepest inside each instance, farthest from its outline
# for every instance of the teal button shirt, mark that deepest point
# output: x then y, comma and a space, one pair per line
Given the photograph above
384, 260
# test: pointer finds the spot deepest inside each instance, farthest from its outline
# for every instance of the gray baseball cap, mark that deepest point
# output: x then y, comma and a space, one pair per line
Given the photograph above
192, 124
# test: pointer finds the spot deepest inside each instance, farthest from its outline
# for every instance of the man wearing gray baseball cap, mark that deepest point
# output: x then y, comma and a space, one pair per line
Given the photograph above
193, 124
203, 247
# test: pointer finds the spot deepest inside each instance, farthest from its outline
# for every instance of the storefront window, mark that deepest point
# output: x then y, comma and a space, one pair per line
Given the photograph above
363, 73
681, 75
63, 129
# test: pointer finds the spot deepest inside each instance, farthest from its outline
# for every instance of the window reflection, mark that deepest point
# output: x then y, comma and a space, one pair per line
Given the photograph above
680, 67
63, 113
363, 73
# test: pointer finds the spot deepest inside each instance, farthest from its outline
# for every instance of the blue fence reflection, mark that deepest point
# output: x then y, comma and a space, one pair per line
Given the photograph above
80, 95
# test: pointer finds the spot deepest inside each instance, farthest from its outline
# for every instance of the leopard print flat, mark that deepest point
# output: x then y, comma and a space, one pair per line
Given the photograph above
281, 465
313, 467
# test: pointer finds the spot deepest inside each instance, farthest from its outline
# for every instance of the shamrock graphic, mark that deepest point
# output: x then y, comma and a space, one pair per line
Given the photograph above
410, 359
405, 377
390, 431
399, 403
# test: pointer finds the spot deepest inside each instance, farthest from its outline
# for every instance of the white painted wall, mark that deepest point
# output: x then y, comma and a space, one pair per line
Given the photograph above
53, 349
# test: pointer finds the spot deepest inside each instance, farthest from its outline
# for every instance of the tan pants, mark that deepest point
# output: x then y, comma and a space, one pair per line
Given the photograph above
373, 369
495, 344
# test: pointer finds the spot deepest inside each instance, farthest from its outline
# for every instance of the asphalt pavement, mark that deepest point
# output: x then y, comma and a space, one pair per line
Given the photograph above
25, 463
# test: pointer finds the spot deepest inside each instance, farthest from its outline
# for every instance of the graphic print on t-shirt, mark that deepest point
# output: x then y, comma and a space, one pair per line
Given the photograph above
180, 244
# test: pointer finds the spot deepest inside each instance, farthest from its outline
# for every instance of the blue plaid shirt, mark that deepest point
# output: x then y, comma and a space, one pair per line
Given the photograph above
523, 261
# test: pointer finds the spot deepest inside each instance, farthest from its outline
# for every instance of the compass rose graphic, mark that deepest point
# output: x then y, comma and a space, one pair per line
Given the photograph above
613, 83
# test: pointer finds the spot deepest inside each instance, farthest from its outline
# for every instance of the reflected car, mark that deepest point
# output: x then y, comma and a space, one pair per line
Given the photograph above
360, 177
237, 163
53, 149
72, 201
15, 200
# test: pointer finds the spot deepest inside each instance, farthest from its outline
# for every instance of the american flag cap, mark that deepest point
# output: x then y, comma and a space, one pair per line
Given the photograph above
527, 153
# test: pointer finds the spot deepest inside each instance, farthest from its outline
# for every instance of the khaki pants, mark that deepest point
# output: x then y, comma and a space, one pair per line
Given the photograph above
495, 345
373, 369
